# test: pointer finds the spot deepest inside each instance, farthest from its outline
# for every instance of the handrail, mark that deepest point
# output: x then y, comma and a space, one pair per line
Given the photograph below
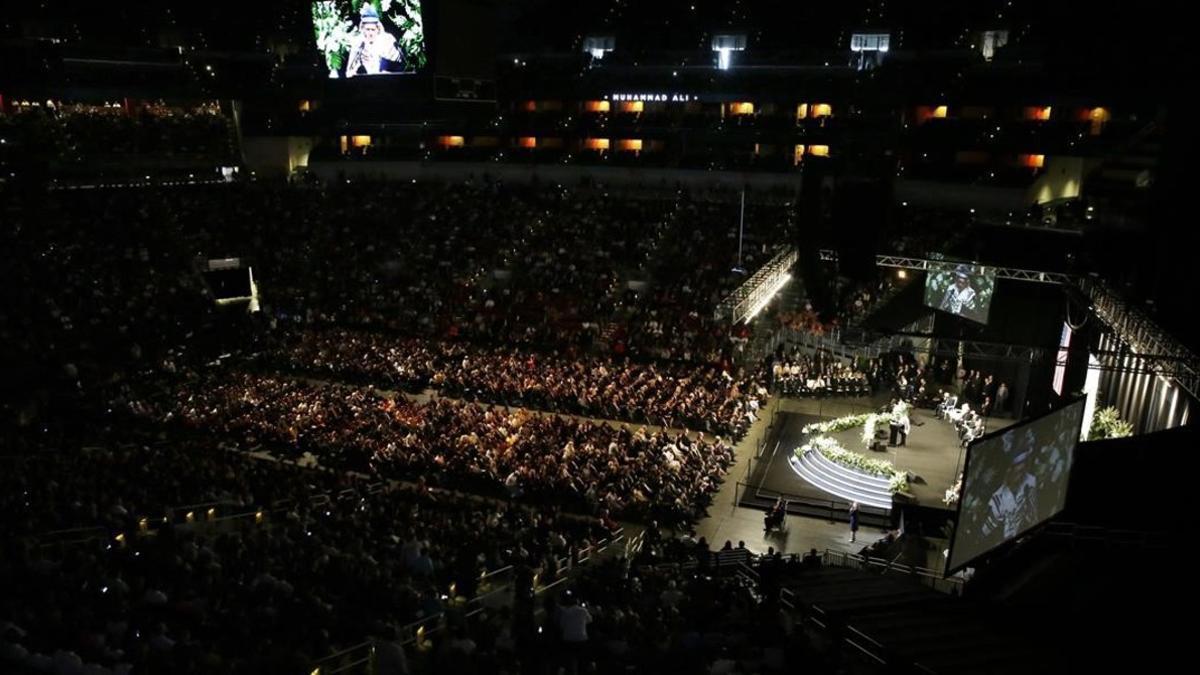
412, 631
787, 598
892, 562
935, 578
875, 643
830, 506
866, 652
553, 584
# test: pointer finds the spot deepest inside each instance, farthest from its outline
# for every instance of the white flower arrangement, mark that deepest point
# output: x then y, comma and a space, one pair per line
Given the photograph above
836, 425
412, 30
334, 33
871, 427
953, 493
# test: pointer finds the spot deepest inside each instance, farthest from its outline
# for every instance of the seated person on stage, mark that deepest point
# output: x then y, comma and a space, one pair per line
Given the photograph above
943, 405
967, 422
973, 431
957, 414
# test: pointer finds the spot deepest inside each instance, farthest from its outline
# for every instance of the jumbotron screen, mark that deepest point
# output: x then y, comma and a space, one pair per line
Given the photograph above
369, 37
1014, 480
960, 288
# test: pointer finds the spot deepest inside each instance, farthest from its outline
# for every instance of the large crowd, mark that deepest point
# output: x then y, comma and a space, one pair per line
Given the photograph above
822, 374
541, 266
106, 281
594, 466
667, 394
677, 607
457, 337
66, 134
332, 560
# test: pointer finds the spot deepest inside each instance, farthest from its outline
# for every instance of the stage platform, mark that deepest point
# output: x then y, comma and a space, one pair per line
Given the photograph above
932, 456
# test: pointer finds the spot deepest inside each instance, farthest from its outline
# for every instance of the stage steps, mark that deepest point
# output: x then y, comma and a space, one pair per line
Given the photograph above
841, 481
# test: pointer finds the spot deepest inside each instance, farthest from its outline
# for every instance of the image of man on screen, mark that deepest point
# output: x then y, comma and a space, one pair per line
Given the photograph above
374, 49
1012, 508
960, 296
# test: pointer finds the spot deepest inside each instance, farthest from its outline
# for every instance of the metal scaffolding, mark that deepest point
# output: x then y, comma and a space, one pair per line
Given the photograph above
1146, 347
990, 351
754, 294
1151, 349
924, 264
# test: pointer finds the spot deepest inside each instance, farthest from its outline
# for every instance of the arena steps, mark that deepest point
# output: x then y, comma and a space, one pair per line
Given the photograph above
839, 481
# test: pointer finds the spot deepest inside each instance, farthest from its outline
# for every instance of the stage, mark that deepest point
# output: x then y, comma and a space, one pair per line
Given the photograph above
933, 458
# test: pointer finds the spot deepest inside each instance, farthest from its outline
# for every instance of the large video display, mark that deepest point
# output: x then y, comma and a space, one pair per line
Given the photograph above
369, 37
1014, 480
960, 288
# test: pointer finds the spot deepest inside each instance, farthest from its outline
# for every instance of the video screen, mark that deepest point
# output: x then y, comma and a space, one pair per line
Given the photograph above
369, 37
1014, 480
960, 288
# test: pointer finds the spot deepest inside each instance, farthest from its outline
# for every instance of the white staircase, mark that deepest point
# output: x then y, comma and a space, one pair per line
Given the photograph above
840, 481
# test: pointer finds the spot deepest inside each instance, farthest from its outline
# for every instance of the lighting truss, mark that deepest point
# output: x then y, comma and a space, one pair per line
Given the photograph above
1146, 347
1150, 346
989, 351
754, 294
924, 264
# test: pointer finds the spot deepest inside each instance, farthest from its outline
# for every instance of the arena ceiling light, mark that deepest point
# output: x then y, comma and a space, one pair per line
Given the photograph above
725, 45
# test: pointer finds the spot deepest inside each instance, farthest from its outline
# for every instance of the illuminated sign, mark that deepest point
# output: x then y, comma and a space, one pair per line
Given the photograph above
665, 98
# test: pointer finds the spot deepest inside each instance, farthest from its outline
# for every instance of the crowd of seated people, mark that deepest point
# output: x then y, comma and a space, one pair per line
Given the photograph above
474, 261
805, 320
95, 291
667, 394
633, 472
492, 263
850, 302
243, 594
112, 485
855, 299
107, 290
653, 614
75, 133
820, 374
659, 619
